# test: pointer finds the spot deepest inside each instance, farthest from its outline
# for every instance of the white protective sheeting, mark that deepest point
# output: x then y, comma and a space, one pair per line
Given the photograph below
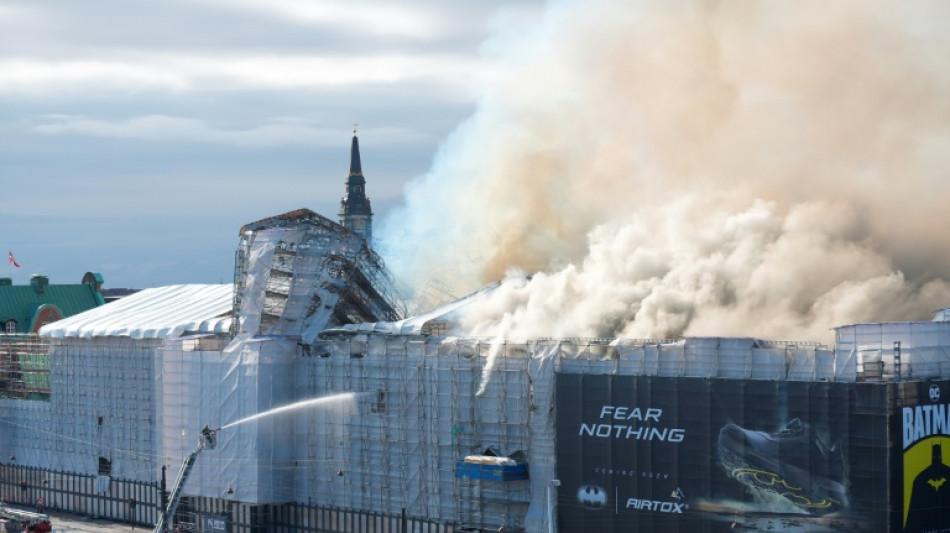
705, 357
416, 415
287, 288
298, 279
101, 408
541, 453
203, 385
157, 313
874, 351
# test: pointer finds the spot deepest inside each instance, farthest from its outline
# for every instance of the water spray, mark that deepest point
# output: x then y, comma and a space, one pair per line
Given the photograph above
208, 440
313, 402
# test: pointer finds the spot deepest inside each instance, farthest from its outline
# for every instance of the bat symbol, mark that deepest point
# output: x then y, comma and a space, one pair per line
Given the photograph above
937, 483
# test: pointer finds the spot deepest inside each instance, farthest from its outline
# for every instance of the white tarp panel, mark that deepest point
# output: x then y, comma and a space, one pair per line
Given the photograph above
102, 405
541, 456
711, 357
869, 351
293, 278
202, 387
417, 415
156, 313
810, 364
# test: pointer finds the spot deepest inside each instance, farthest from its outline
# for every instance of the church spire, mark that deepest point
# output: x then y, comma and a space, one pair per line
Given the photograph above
355, 167
356, 214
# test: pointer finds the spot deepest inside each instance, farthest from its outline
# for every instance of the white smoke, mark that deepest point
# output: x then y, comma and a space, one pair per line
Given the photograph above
712, 168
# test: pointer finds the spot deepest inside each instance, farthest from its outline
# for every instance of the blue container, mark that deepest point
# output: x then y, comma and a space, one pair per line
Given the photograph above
491, 472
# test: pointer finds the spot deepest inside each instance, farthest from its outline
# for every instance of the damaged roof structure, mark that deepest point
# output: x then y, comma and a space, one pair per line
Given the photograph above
299, 272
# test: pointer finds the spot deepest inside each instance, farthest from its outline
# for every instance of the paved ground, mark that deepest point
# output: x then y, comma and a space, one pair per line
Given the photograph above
69, 523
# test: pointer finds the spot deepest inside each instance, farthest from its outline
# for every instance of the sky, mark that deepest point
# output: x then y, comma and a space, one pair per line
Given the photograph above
136, 138
640, 169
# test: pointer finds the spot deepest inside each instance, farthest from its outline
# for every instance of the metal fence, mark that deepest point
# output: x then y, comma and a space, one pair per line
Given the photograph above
216, 515
112, 499
115, 499
305, 519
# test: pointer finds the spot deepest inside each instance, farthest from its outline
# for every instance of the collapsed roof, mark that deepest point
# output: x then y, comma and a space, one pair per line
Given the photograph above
299, 273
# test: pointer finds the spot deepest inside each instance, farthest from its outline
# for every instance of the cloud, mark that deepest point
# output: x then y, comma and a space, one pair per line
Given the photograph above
363, 18
36, 77
188, 130
183, 73
227, 45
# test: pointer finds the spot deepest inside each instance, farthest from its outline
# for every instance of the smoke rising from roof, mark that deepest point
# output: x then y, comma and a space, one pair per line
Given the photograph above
696, 168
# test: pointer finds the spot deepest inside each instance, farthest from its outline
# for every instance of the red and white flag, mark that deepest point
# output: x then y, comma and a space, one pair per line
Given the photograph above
13, 261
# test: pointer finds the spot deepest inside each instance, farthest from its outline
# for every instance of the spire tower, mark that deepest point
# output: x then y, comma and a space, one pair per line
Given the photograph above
356, 214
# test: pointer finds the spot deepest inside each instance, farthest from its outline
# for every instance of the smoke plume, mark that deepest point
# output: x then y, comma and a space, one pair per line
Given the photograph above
661, 169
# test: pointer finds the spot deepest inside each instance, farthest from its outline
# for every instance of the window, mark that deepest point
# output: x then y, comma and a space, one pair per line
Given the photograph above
105, 467
10, 326
380, 406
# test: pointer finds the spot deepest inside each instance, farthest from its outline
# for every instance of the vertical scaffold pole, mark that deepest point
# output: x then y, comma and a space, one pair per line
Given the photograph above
164, 493
897, 360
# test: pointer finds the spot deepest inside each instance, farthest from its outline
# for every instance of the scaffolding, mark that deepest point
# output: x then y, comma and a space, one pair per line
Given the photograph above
24, 367
98, 417
402, 444
430, 402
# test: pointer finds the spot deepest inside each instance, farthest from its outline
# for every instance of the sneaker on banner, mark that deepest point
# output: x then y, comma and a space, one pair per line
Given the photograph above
793, 463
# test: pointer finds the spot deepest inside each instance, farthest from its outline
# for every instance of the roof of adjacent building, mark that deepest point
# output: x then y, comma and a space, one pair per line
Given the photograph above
21, 302
158, 313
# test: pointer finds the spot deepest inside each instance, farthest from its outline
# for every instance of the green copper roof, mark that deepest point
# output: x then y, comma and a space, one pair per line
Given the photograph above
22, 302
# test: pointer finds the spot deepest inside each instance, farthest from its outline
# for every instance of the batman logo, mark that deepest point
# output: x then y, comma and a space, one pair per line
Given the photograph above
592, 497
937, 483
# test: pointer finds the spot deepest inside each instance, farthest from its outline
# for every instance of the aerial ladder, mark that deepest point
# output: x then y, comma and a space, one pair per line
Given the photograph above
207, 440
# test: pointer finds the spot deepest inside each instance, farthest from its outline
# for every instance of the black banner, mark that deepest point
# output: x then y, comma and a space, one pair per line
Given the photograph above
638, 453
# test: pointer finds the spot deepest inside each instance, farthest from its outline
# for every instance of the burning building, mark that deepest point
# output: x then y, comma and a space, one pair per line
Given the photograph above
453, 432
681, 204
